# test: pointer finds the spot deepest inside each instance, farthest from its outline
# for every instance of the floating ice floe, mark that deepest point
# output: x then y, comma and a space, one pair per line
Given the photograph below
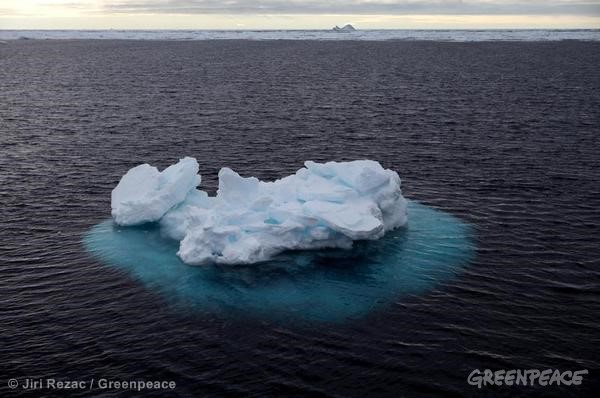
322, 205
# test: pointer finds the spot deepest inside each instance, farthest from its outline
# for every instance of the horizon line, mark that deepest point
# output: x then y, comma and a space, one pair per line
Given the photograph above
293, 30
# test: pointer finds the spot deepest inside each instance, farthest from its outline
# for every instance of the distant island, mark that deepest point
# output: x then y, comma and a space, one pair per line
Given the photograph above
345, 28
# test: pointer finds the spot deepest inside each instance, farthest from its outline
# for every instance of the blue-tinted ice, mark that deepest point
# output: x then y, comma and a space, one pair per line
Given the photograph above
329, 285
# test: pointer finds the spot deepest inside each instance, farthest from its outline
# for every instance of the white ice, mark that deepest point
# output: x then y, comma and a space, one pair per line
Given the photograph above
322, 205
455, 35
144, 194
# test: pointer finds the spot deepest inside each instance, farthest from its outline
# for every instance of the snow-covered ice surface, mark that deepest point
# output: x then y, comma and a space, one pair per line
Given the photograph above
146, 195
322, 205
315, 285
325, 34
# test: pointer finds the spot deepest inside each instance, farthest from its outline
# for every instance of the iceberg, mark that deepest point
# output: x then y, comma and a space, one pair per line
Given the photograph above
322, 205
345, 28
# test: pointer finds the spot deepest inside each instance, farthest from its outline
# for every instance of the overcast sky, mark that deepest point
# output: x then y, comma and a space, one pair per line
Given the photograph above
297, 14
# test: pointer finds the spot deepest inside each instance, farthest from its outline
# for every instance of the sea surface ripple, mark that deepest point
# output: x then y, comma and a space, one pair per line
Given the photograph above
504, 135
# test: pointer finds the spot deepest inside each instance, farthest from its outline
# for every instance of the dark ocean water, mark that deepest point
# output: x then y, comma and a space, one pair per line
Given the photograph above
505, 136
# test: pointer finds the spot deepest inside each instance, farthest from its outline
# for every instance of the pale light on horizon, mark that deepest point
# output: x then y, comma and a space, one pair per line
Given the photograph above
278, 14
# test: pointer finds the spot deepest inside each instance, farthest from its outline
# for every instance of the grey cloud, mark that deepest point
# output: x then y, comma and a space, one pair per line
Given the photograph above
449, 7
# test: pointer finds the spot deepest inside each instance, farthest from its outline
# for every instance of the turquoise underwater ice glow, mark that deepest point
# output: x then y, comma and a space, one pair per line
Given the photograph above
328, 285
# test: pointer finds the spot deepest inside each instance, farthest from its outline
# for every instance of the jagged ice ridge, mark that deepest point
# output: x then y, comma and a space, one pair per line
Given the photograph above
322, 205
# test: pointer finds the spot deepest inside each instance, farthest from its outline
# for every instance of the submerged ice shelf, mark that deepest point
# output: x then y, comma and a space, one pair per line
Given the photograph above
322, 205
315, 285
